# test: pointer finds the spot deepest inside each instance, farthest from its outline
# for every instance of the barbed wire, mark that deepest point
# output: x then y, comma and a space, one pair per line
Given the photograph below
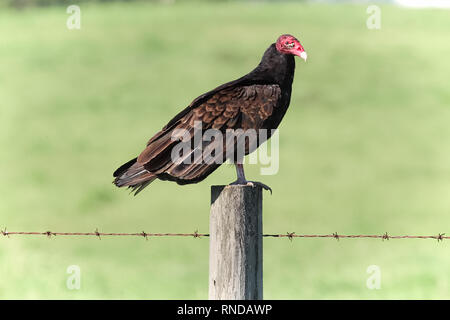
195, 234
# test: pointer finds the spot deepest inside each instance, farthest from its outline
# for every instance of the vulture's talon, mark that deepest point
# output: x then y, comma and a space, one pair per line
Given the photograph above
251, 184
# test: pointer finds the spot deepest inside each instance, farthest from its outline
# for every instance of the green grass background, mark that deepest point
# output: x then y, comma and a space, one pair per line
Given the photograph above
364, 148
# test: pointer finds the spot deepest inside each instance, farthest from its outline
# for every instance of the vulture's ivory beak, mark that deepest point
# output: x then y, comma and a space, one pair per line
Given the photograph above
303, 55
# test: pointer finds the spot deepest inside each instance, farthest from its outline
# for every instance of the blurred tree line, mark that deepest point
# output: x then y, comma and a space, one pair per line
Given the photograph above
42, 3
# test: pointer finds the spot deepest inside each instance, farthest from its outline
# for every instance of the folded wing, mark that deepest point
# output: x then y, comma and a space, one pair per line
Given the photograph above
234, 107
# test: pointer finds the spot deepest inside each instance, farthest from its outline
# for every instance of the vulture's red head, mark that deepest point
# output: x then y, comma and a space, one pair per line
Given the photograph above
288, 44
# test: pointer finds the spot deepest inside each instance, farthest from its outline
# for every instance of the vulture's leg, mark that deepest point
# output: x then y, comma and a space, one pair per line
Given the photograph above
240, 174
242, 181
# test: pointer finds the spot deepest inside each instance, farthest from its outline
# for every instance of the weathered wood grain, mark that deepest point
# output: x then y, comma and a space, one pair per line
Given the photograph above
235, 261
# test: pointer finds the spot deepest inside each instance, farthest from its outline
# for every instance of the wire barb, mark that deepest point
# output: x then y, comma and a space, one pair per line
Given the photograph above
290, 235
97, 234
336, 236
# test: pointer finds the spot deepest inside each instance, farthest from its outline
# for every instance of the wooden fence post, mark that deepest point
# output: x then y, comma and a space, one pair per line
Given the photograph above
235, 249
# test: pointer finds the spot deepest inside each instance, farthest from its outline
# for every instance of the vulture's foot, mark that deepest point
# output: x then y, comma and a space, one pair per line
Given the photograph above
251, 184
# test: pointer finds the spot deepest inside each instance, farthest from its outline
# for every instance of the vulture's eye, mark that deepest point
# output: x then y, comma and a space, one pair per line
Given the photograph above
289, 45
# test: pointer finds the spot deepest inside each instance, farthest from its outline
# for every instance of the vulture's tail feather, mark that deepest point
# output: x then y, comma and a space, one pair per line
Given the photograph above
133, 175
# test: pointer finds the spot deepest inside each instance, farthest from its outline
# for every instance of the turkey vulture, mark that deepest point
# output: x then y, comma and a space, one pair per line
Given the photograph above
255, 101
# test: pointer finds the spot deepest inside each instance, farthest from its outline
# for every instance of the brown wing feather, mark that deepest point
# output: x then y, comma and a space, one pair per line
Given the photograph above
244, 107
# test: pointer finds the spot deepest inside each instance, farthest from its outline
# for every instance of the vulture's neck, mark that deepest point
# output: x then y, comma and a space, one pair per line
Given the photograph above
275, 67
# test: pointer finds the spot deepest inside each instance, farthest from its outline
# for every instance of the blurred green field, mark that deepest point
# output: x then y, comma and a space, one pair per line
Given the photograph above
365, 148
